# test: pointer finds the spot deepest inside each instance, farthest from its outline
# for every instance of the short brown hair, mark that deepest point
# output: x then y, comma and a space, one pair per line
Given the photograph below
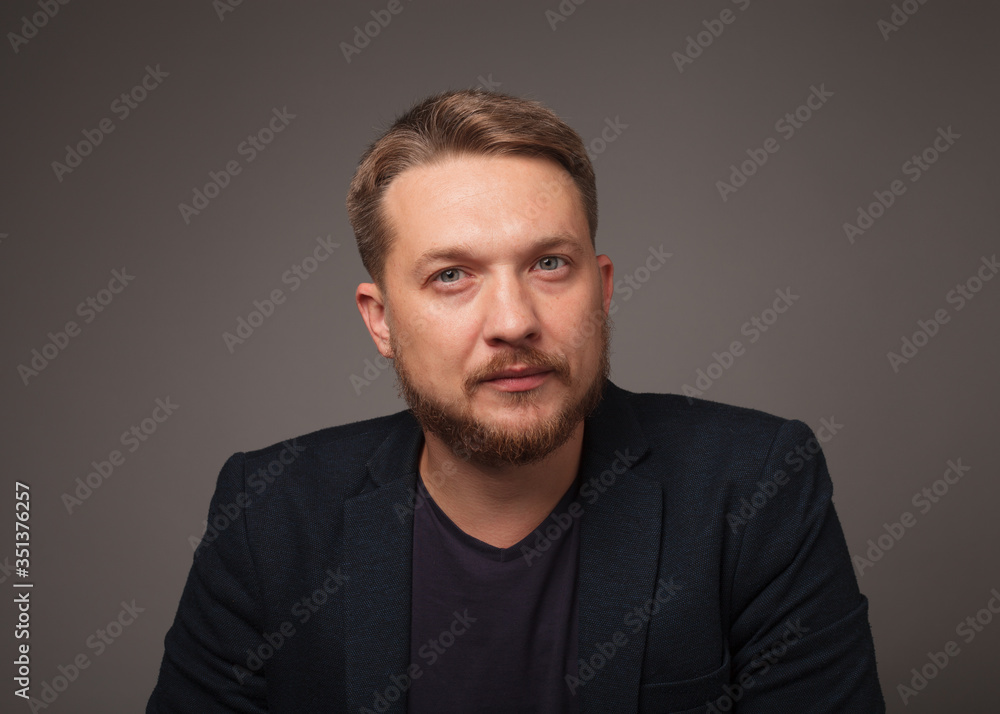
471, 121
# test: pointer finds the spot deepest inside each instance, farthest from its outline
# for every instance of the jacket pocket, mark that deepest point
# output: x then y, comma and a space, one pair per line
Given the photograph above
684, 696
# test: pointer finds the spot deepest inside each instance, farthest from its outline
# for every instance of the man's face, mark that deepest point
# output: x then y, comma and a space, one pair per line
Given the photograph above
497, 309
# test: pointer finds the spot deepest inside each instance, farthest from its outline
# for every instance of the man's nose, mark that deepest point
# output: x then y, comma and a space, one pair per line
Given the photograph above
510, 311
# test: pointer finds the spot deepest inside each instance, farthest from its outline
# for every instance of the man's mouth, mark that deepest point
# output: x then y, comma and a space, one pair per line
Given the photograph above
518, 379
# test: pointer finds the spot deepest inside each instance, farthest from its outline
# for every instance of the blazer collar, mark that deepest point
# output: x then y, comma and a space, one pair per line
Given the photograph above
619, 554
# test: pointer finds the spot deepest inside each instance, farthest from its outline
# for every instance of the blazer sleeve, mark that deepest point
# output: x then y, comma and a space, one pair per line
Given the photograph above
799, 624
207, 665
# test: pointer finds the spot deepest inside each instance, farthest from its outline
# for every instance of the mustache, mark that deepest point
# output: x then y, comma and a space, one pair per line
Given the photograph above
529, 356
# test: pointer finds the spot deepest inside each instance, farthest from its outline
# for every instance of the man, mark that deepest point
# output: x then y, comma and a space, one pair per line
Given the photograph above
527, 537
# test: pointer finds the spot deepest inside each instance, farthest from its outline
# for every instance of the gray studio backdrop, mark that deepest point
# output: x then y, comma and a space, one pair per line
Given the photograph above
814, 181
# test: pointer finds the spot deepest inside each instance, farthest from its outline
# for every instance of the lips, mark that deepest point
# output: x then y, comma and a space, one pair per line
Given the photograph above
518, 379
514, 372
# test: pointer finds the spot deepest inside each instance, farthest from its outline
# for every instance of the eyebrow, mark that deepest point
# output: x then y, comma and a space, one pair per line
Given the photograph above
463, 250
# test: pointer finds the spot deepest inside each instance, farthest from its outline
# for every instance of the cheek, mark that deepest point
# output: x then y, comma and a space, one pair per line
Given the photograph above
442, 342
579, 337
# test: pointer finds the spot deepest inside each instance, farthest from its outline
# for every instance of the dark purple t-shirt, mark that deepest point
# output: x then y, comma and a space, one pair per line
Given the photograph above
493, 629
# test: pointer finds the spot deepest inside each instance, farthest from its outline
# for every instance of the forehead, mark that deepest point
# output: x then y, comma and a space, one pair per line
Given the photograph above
482, 200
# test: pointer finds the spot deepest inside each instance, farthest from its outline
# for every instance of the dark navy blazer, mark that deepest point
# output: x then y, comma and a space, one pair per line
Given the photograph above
713, 572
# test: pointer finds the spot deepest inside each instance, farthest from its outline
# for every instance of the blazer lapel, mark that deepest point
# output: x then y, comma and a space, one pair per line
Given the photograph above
619, 556
378, 545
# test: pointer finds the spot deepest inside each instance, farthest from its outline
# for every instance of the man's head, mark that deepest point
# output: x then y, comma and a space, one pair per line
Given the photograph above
476, 215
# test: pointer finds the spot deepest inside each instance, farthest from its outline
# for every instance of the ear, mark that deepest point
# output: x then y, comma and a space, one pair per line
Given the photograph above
372, 306
607, 270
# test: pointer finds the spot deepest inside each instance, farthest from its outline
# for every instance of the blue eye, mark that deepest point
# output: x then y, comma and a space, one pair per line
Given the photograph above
549, 264
443, 273
550, 258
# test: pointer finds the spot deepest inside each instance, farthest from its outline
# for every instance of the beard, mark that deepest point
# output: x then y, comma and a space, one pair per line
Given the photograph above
494, 445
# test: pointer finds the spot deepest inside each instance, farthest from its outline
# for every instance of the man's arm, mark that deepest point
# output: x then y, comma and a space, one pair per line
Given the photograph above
799, 623
204, 665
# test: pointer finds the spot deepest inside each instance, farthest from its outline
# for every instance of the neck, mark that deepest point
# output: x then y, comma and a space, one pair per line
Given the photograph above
499, 506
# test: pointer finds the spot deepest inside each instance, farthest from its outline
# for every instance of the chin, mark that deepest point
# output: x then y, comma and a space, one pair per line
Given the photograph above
513, 407
543, 393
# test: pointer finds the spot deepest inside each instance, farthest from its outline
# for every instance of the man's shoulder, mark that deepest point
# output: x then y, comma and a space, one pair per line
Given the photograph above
695, 441
701, 418
700, 447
